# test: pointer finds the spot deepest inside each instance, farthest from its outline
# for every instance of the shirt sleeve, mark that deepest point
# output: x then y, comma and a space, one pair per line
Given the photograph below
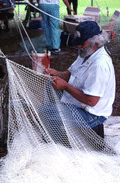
96, 81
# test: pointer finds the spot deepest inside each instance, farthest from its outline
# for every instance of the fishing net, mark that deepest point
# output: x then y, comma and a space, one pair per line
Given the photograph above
49, 141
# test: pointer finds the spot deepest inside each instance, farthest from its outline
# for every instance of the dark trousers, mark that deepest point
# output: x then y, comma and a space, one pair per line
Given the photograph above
99, 130
95, 122
75, 3
5, 16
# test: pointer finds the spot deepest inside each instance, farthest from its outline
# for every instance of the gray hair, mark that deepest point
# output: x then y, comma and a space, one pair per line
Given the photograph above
100, 39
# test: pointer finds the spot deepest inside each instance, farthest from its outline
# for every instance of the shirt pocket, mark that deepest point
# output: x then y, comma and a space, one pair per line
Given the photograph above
76, 82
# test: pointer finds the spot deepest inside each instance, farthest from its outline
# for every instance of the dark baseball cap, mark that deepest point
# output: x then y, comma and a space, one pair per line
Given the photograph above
86, 30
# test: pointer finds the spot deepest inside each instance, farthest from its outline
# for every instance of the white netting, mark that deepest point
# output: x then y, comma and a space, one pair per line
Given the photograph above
49, 141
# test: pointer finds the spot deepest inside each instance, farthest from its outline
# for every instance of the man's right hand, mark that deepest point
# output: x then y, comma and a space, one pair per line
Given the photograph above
50, 71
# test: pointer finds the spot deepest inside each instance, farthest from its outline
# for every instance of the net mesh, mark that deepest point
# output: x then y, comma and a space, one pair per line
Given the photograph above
44, 134
36, 110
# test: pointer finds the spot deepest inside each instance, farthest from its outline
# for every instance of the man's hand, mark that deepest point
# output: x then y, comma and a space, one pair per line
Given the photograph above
59, 84
72, 11
50, 71
68, 5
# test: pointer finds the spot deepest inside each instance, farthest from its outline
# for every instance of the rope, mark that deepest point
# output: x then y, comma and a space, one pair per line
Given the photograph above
26, 31
49, 14
23, 28
26, 35
2, 54
101, 11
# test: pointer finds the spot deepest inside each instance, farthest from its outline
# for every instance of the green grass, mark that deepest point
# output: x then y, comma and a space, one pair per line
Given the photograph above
112, 4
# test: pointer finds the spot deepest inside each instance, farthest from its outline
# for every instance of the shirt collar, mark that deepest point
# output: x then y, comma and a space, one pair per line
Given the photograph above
91, 59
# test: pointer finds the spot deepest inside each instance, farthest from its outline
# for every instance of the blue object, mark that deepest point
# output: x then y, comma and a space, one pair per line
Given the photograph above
7, 3
52, 30
87, 30
36, 24
64, 37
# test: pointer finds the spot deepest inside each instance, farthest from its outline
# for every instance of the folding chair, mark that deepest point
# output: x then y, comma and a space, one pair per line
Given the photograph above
71, 29
109, 27
30, 11
92, 11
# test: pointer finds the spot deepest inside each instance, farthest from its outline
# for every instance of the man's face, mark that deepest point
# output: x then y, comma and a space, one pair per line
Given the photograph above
86, 49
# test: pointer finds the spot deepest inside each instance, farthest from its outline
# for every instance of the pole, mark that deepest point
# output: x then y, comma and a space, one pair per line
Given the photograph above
91, 2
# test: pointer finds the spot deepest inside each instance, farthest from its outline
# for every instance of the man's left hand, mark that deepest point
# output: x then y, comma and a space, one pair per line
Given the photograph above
59, 84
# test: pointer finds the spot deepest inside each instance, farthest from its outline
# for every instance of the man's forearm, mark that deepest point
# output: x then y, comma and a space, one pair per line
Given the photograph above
67, 4
79, 95
64, 75
61, 84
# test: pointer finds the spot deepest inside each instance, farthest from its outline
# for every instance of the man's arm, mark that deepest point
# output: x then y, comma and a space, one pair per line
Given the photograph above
60, 84
64, 75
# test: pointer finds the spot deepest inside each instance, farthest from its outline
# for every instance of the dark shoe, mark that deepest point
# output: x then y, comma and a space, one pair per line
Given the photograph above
55, 51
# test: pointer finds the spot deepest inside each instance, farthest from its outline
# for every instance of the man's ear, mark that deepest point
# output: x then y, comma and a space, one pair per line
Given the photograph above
95, 47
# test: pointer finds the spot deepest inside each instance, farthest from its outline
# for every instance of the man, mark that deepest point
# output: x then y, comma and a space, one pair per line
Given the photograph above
89, 83
52, 30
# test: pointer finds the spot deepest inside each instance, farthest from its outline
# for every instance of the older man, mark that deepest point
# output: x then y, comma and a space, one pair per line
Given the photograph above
89, 83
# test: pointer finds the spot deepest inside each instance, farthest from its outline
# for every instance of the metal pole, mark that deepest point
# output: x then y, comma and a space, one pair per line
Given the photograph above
91, 2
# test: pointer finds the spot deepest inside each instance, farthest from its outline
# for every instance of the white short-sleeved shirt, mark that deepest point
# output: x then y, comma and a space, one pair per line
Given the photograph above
94, 77
49, 2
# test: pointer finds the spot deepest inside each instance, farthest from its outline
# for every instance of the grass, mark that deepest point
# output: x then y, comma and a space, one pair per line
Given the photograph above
114, 4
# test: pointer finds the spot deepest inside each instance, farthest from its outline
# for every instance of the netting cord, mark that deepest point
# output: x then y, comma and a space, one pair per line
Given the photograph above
2, 56
101, 10
28, 100
26, 31
59, 18
23, 37
49, 14
23, 28
62, 117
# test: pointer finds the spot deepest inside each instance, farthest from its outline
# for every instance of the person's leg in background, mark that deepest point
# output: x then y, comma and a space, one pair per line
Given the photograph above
54, 25
75, 4
68, 11
46, 8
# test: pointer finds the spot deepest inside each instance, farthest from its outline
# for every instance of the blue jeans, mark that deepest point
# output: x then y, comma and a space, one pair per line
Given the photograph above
95, 122
52, 30
91, 119
52, 121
